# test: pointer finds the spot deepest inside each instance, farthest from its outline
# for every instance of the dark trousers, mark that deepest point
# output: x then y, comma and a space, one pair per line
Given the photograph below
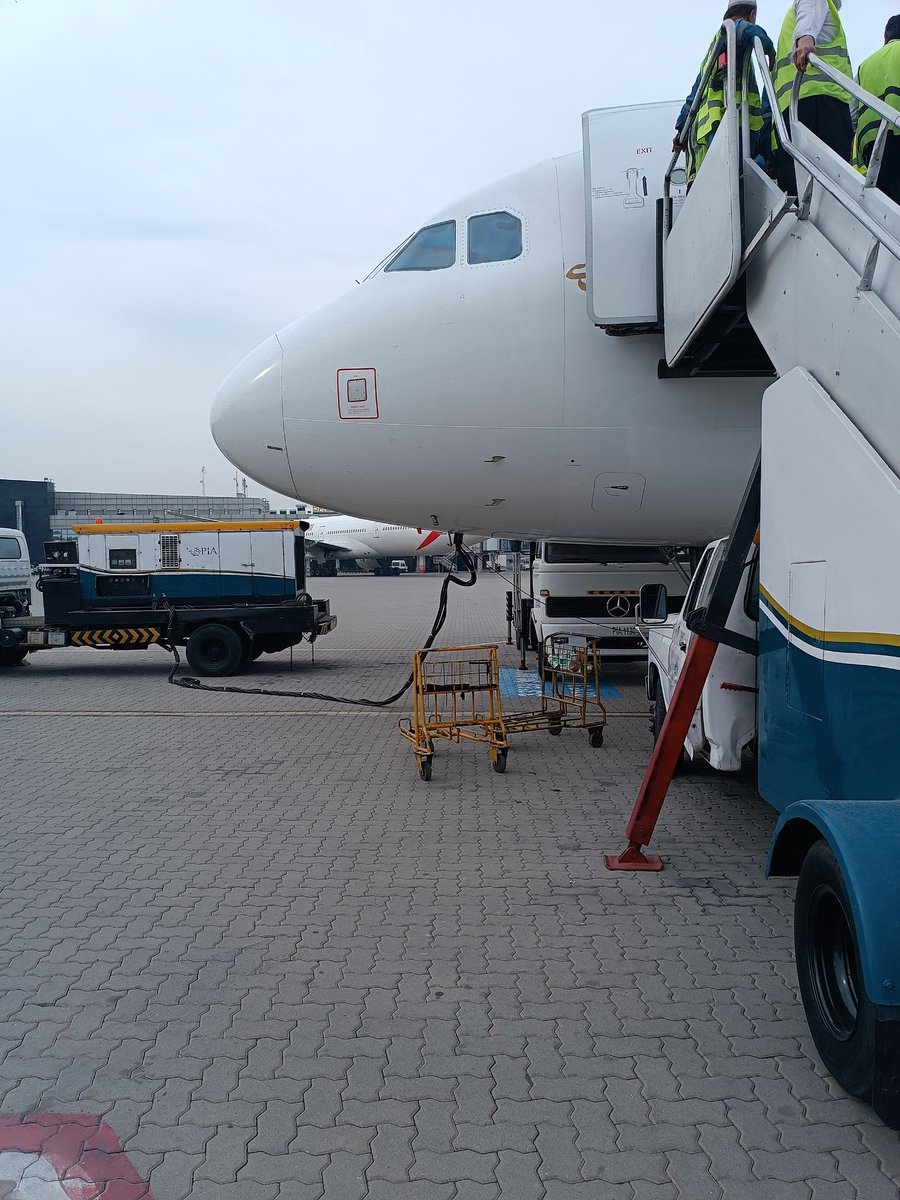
829, 119
889, 172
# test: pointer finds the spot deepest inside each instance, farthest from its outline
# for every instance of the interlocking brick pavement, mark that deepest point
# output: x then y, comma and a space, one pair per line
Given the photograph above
243, 933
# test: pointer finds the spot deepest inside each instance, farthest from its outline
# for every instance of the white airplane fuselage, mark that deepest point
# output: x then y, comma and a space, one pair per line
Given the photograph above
480, 397
340, 537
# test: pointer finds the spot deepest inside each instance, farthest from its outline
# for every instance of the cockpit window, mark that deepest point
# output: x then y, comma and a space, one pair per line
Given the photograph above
494, 237
431, 249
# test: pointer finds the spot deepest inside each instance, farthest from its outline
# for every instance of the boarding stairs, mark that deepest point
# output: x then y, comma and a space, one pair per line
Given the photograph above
813, 281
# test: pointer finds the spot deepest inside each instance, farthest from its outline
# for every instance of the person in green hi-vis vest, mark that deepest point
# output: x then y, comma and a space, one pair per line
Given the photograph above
880, 75
824, 106
696, 141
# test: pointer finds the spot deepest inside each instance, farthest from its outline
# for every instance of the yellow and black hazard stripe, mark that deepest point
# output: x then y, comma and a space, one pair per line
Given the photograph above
115, 638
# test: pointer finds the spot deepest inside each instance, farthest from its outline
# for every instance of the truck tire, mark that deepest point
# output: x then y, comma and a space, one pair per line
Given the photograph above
658, 715
12, 656
216, 649
840, 1015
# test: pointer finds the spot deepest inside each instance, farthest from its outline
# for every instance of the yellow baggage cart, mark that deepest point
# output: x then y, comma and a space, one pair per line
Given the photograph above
570, 690
456, 696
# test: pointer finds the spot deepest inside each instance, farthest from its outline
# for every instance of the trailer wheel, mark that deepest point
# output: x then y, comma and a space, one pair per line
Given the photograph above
215, 649
498, 760
841, 1016
658, 715
12, 656
423, 762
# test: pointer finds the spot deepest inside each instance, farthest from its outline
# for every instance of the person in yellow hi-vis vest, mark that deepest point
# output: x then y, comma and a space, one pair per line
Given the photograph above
824, 107
880, 75
696, 141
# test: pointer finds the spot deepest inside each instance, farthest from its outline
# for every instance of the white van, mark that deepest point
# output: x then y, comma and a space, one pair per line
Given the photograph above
15, 572
593, 589
399, 566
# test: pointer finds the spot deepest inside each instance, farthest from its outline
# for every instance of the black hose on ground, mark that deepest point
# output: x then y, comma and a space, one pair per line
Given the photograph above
188, 681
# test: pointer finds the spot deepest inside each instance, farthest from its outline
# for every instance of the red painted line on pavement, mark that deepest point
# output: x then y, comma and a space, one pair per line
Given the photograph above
76, 1152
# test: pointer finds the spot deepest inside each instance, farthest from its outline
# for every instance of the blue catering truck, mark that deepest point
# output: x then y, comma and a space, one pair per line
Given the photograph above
227, 590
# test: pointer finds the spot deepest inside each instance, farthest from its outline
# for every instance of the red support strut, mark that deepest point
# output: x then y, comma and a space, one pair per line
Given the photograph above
664, 759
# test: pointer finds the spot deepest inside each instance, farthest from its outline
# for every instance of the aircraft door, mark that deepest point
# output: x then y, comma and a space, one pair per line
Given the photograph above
236, 562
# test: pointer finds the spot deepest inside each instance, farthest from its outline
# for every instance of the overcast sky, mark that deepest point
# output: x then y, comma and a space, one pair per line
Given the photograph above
183, 177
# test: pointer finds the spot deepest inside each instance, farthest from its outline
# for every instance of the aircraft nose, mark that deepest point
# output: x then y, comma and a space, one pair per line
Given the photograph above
247, 420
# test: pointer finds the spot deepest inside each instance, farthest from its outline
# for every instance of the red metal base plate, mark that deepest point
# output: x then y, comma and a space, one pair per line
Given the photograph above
633, 859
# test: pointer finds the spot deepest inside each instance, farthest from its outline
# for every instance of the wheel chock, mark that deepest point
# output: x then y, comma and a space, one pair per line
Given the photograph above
633, 858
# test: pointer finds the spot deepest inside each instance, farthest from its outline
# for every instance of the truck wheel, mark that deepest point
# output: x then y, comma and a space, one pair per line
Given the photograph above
12, 656
215, 649
656, 724
841, 1016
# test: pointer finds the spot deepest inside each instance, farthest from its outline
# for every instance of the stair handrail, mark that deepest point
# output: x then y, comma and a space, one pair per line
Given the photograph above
850, 203
690, 120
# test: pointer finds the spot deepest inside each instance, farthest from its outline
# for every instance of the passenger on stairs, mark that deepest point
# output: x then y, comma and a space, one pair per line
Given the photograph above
880, 75
696, 141
824, 106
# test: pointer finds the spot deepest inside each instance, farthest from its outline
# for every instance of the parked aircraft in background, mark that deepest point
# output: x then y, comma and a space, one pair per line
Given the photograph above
330, 540
465, 382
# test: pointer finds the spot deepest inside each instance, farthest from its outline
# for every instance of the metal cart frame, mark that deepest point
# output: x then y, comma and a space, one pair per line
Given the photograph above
570, 663
456, 696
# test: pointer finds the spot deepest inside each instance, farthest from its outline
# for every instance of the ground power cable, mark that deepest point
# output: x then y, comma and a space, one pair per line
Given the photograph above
193, 684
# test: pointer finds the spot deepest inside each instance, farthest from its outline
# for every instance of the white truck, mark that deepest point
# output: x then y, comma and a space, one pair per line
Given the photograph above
724, 724
15, 573
592, 589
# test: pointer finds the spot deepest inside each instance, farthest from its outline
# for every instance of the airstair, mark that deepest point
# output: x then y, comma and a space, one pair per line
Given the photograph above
810, 285
816, 278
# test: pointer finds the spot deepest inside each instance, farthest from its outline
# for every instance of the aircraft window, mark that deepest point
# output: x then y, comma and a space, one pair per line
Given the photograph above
494, 237
431, 249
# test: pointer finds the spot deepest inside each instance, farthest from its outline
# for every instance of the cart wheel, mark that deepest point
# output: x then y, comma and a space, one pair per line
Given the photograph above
595, 737
499, 760
554, 730
424, 765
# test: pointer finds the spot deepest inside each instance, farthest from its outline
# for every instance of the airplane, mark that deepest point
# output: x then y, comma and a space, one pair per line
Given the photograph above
465, 379
335, 538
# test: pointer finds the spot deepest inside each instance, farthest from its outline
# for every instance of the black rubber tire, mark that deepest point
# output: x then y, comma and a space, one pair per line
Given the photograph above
499, 761
554, 730
658, 715
424, 765
216, 649
595, 737
12, 656
840, 1015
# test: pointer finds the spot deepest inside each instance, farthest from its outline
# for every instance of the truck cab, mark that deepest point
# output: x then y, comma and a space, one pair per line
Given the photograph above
593, 589
724, 724
15, 573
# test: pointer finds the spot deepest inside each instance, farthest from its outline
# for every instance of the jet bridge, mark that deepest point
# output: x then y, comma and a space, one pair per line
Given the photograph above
816, 279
